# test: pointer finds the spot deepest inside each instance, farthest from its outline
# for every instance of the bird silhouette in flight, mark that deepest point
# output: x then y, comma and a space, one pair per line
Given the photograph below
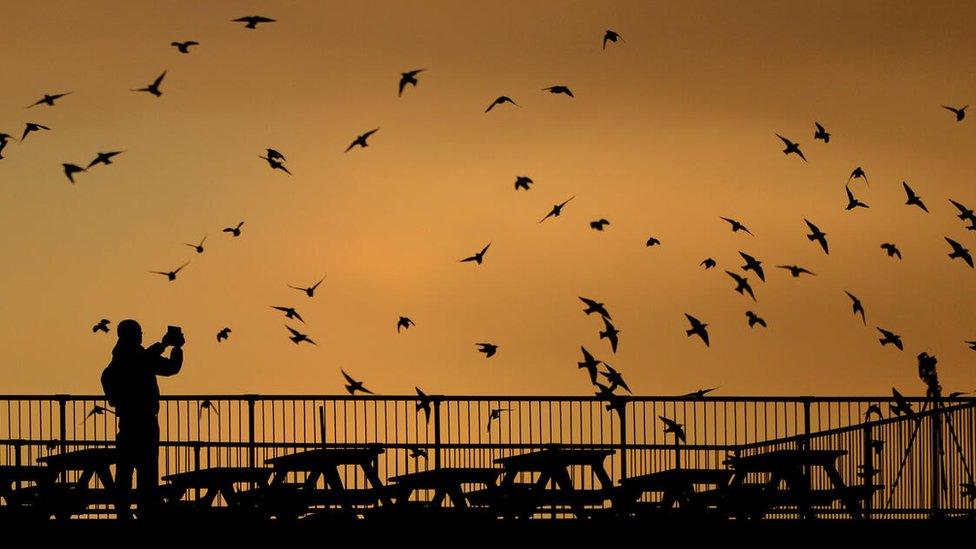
671, 426
559, 89
593, 306
154, 87
171, 275
290, 312
698, 328
96, 411
71, 169
409, 77
913, 199
795, 270
253, 20
964, 212
417, 452
424, 403
741, 284
361, 140
700, 393
310, 291
478, 257
611, 36
488, 348
874, 409
754, 265
736, 226
858, 173
500, 100
891, 249
523, 182
297, 337
599, 224
818, 235
495, 414
274, 155
104, 158
4, 139
853, 202
102, 326
404, 323
791, 147
274, 163
614, 402
901, 405
32, 127
557, 209
184, 47
48, 99
821, 133
615, 378
610, 334
352, 385
223, 334
959, 252
197, 247
890, 337
589, 363
208, 406
234, 231
755, 319
652, 241
856, 306
708, 263
960, 113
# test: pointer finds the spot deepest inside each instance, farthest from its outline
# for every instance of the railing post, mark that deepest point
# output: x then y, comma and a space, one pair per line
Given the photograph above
806, 424
936, 457
251, 449
17, 459
437, 433
63, 422
623, 440
867, 469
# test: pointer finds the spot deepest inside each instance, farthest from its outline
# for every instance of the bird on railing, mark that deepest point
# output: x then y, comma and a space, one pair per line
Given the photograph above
354, 385
96, 411
700, 393
495, 414
423, 403
209, 407
672, 426
417, 452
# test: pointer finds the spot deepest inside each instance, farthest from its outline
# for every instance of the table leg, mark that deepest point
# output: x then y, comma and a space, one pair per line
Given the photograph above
334, 483
457, 496
374, 480
565, 483
851, 503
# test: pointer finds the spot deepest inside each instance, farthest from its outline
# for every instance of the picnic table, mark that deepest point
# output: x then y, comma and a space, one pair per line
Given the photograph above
446, 483
552, 464
63, 496
677, 486
11, 476
213, 481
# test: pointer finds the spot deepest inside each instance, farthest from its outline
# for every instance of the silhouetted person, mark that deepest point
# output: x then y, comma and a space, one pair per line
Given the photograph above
927, 373
130, 387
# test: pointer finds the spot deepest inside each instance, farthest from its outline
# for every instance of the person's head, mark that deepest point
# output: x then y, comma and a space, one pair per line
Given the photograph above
130, 332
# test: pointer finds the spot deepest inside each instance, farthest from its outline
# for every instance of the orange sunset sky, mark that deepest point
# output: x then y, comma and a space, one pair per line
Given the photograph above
667, 132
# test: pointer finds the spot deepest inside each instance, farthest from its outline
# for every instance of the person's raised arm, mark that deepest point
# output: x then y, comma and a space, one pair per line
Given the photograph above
172, 365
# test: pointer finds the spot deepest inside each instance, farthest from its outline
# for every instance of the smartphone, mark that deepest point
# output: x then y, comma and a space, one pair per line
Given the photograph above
173, 331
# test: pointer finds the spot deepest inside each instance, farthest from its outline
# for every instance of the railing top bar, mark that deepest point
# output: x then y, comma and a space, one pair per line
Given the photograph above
493, 398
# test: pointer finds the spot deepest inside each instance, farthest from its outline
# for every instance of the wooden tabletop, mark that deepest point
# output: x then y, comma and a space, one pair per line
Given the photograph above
218, 475
669, 477
785, 459
81, 459
313, 460
553, 457
434, 478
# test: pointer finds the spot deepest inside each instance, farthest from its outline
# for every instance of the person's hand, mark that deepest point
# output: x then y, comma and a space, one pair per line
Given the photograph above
178, 340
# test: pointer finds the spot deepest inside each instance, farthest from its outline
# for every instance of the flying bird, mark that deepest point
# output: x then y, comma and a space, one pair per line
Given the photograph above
171, 275
409, 77
736, 226
754, 265
523, 182
4, 139
184, 47
818, 235
297, 337
614, 402
32, 127
290, 312
708, 263
853, 202
700, 393
495, 414
652, 241
959, 252
615, 378
274, 163
964, 212
234, 231
96, 411
599, 224
71, 169
901, 405
671, 426
589, 363
610, 334
913, 199
741, 284
755, 319
557, 209
891, 249
424, 403
275, 155
223, 334
197, 247
500, 100
208, 406
856, 306
253, 20
791, 147
361, 140
488, 348
858, 173
404, 323
611, 36
104, 158
154, 87
593, 306
310, 291
48, 99
821, 133
102, 326
892, 338
352, 385
478, 257
698, 328
960, 113
559, 89
795, 270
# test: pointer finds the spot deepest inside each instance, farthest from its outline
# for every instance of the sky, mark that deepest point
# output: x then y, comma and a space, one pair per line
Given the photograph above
669, 130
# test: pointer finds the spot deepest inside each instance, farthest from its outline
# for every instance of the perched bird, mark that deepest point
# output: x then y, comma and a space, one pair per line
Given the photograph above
32, 127
104, 158
234, 231
892, 338
223, 334
559, 89
708, 263
795, 270
495, 414
593, 306
48, 99
361, 140
500, 100
197, 247
488, 348
697, 328
290, 312
615, 379
478, 257
891, 249
523, 182
310, 291
700, 393
424, 403
154, 87
874, 409
171, 275
913, 199
599, 224
755, 319
209, 407
611, 36
736, 226
791, 147
853, 202
818, 235
959, 252
557, 209
297, 337
184, 47
754, 265
589, 363
856, 306
404, 323
901, 405
253, 20
671, 426
274, 163
102, 326
858, 173
352, 385
741, 284
409, 77
964, 212
610, 334
417, 452
821, 133
96, 411
71, 169
652, 241
960, 113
